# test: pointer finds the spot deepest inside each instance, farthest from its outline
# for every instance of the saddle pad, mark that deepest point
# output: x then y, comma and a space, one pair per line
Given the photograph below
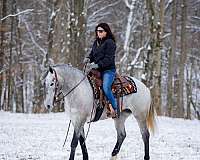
126, 88
119, 88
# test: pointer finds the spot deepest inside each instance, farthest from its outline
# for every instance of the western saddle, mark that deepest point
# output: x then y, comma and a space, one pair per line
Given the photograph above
122, 85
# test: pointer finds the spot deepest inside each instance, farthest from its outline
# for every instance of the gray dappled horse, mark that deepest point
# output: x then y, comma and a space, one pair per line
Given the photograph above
62, 78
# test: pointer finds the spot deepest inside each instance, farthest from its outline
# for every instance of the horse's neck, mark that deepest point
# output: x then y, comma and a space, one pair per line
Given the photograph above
71, 76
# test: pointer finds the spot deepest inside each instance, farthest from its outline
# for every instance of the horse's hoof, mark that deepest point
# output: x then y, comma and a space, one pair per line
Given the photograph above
113, 158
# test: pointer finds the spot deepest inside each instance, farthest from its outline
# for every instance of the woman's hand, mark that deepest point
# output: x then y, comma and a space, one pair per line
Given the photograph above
86, 60
93, 66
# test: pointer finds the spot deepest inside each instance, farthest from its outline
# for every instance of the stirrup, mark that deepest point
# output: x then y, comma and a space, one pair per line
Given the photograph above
115, 114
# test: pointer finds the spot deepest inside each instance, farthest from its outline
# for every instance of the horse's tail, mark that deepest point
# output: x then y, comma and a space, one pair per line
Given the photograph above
151, 118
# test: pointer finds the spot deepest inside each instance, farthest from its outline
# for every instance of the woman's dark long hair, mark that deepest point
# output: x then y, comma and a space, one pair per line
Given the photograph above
107, 29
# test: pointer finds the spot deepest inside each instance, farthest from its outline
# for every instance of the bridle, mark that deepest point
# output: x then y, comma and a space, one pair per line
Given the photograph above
56, 88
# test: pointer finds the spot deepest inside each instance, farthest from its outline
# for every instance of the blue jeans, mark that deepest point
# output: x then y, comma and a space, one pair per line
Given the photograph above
108, 78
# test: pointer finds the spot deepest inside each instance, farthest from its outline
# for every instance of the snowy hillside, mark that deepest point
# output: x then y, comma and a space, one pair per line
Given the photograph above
41, 136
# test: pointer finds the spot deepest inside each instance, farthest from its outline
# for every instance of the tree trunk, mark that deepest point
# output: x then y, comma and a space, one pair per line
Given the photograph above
10, 78
183, 58
155, 54
189, 90
123, 61
77, 32
51, 25
162, 4
172, 51
3, 11
20, 94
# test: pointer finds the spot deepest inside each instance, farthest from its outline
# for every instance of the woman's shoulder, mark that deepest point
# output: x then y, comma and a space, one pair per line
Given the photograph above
110, 41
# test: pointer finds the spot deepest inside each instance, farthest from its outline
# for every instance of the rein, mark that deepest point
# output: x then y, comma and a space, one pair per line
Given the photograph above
72, 89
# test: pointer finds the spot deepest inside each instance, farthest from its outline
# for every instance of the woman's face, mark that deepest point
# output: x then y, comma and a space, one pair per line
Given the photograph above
101, 32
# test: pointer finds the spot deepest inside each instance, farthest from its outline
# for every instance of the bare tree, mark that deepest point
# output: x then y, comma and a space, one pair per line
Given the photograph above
183, 58
155, 53
131, 20
172, 51
10, 79
77, 32
54, 11
147, 37
189, 89
3, 12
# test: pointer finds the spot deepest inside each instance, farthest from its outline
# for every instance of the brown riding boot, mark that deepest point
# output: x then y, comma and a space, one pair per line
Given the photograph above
111, 112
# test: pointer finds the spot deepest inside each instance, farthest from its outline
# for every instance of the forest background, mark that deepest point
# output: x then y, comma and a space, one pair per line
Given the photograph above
158, 42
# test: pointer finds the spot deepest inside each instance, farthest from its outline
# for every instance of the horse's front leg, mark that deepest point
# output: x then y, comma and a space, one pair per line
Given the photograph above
74, 144
79, 135
83, 144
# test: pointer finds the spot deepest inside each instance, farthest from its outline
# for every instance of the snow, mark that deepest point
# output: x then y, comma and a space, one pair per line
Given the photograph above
13, 15
41, 136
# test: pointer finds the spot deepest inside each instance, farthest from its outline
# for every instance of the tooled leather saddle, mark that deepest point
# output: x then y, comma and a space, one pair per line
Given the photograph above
122, 85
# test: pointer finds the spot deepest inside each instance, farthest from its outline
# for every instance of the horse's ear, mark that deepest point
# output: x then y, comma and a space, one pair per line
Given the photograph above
51, 69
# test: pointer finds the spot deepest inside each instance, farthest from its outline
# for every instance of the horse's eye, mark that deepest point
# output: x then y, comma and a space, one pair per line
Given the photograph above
51, 84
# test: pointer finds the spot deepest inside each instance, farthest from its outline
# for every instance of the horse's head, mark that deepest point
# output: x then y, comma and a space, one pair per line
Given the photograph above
51, 87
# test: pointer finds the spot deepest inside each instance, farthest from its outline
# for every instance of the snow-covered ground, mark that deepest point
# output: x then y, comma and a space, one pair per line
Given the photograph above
41, 136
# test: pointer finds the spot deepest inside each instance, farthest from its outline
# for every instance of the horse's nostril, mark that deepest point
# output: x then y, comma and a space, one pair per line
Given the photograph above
48, 106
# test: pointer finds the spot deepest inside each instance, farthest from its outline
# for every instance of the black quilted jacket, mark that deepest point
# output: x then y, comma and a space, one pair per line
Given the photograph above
103, 54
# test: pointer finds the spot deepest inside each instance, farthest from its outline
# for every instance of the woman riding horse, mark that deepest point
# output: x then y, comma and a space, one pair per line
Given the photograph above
102, 57
79, 104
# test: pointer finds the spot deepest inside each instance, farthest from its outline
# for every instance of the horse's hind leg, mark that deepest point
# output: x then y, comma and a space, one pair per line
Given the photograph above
121, 132
145, 136
83, 145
